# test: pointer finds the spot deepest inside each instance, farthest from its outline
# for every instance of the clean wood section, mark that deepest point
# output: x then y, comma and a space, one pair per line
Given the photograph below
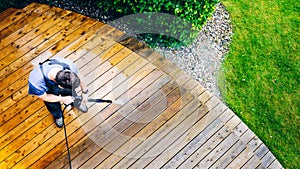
160, 118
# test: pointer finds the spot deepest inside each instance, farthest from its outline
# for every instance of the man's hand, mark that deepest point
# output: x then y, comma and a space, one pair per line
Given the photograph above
67, 99
84, 97
53, 98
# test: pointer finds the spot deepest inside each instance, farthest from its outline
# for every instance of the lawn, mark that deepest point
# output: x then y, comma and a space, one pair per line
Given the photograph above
260, 79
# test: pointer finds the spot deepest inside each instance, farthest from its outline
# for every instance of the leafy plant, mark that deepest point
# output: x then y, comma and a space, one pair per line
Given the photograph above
188, 17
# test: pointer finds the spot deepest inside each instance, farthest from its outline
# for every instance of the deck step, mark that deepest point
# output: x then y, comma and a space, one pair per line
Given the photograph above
7, 13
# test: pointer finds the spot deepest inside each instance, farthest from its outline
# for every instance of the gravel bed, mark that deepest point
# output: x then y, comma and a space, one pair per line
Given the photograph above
202, 59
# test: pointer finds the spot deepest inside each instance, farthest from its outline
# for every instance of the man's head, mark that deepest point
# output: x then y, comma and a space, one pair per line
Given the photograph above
67, 79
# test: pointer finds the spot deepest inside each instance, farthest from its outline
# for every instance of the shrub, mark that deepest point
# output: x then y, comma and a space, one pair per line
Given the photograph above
180, 27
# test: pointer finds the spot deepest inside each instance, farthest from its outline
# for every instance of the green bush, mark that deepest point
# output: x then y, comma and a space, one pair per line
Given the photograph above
192, 12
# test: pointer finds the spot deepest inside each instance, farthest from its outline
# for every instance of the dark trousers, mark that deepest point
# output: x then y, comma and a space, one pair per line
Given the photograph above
55, 107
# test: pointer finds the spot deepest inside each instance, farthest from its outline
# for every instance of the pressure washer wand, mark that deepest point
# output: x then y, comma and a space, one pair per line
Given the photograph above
99, 101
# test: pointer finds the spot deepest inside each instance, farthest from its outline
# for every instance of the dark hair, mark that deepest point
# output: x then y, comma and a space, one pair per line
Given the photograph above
67, 79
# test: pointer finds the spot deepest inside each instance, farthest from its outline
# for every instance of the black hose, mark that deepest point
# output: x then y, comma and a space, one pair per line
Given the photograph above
66, 137
65, 130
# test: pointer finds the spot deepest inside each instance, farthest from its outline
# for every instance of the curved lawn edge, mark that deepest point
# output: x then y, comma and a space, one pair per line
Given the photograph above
259, 79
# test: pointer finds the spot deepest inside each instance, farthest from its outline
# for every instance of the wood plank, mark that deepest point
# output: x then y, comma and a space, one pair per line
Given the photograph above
61, 43
43, 122
16, 108
18, 27
13, 99
7, 13
267, 160
18, 118
18, 15
29, 37
75, 31
39, 43
115, 35
210, 144
93, 57
217, 152
20, 38
195, 136
135, 121
103, 79
233, 152
134, 79
180, 134
261, 151
254, 143
135, 45
44, 145
242, 158
139, 118
35, 118
172, 124
275, 165
118, 76
253, 162
15, 137
8, 92
11, 159
119, 56
116, 117
198, 89
246, 154
174, 161
139, 147
87, 47
204, 96
153, 57
146, 131
83, 119
108, 78
164, 64
40, 51
9, 102
20, 146
214, 109
5, 93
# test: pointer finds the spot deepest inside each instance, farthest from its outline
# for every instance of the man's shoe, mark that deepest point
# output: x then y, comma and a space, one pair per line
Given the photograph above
82, 107
59, 122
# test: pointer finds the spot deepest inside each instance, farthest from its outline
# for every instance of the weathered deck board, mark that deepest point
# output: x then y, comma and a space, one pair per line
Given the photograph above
19, 28
160, 118
11, 19
7, 13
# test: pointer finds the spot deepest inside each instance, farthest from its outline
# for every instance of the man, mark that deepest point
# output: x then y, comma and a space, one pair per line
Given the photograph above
54, 81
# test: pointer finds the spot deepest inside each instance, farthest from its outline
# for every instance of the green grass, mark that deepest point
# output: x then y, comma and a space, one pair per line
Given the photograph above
260, 79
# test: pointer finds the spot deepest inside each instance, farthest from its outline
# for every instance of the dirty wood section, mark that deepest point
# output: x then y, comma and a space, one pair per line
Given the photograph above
160, 117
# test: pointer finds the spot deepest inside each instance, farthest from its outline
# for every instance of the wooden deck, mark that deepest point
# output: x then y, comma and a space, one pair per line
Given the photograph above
160, 118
